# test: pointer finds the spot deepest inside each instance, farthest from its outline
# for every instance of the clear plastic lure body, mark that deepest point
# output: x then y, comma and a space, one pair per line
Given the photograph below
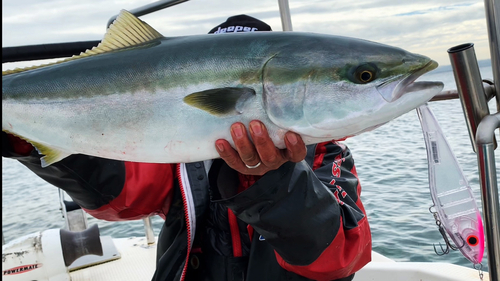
454, 203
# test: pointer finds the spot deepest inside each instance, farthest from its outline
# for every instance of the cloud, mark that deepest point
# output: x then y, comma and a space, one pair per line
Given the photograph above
438, 9
428, 27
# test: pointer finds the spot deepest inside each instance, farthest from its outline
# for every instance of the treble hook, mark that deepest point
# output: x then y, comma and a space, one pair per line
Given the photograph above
443, 251
448, 244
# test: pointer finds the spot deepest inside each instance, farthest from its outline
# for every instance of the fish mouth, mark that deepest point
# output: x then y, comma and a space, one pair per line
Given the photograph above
394, 88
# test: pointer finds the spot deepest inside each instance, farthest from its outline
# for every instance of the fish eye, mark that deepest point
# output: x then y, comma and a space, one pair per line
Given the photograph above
364, 73
366, 76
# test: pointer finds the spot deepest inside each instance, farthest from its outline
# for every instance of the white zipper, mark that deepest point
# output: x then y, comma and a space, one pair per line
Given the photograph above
187, 199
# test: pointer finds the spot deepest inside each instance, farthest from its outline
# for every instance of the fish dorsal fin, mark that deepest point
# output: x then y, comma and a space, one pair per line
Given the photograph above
126, 31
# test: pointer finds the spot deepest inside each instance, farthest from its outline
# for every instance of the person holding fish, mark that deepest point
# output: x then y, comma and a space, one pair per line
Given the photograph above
256, 213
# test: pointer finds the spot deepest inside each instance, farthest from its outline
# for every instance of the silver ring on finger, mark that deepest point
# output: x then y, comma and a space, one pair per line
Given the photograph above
254, 166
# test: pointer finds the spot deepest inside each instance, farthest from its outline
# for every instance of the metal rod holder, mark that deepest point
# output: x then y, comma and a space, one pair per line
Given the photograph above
489, 190
469, 86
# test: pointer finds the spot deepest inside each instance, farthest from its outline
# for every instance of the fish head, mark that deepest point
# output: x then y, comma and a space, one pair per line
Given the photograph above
335, 87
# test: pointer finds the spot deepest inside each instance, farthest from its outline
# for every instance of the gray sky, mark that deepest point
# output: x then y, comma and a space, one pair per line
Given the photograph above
427, 27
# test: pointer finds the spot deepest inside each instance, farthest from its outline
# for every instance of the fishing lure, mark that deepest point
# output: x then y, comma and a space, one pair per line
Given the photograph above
456, 212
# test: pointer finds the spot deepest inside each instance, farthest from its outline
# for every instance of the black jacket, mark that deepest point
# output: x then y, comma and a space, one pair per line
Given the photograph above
303, 221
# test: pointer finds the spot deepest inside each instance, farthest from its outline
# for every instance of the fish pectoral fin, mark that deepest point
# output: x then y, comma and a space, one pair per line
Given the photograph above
221, 101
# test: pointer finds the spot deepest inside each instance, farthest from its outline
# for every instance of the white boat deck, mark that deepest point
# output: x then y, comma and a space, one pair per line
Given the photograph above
416, 271
137, 262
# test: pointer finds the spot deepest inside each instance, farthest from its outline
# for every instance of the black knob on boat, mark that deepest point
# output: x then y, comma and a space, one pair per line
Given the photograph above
76, 244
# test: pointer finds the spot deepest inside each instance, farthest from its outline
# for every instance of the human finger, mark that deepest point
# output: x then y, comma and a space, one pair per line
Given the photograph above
296, 150
246, 149
268, 153
233, 159
229, 154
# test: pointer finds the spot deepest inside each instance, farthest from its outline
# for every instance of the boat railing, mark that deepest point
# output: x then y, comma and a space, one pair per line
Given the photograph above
473, 95
150, 8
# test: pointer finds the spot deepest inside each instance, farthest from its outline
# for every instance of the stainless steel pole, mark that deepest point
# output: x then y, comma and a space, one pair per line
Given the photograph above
469, 86
286, 19
492, 9
489, 91
149, 8
148, 228
489, 190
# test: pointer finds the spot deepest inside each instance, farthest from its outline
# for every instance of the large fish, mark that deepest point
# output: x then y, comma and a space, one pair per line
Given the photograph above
140, 96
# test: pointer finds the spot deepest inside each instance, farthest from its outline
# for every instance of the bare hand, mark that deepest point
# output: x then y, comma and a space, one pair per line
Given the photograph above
262, 150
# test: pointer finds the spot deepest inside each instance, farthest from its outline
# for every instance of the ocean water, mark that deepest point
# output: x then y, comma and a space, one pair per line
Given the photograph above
392, 167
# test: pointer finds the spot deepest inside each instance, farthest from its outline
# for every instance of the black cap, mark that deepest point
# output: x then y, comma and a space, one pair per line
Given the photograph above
241, 23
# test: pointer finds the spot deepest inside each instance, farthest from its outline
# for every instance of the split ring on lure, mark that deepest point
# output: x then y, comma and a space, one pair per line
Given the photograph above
456, 212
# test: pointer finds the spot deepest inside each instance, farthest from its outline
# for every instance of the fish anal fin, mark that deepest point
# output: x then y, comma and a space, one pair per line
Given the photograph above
51, 154
126, 31
221, 101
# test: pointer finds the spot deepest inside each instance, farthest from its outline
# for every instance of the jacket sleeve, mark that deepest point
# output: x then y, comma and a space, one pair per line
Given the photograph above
106, 189
312, 216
